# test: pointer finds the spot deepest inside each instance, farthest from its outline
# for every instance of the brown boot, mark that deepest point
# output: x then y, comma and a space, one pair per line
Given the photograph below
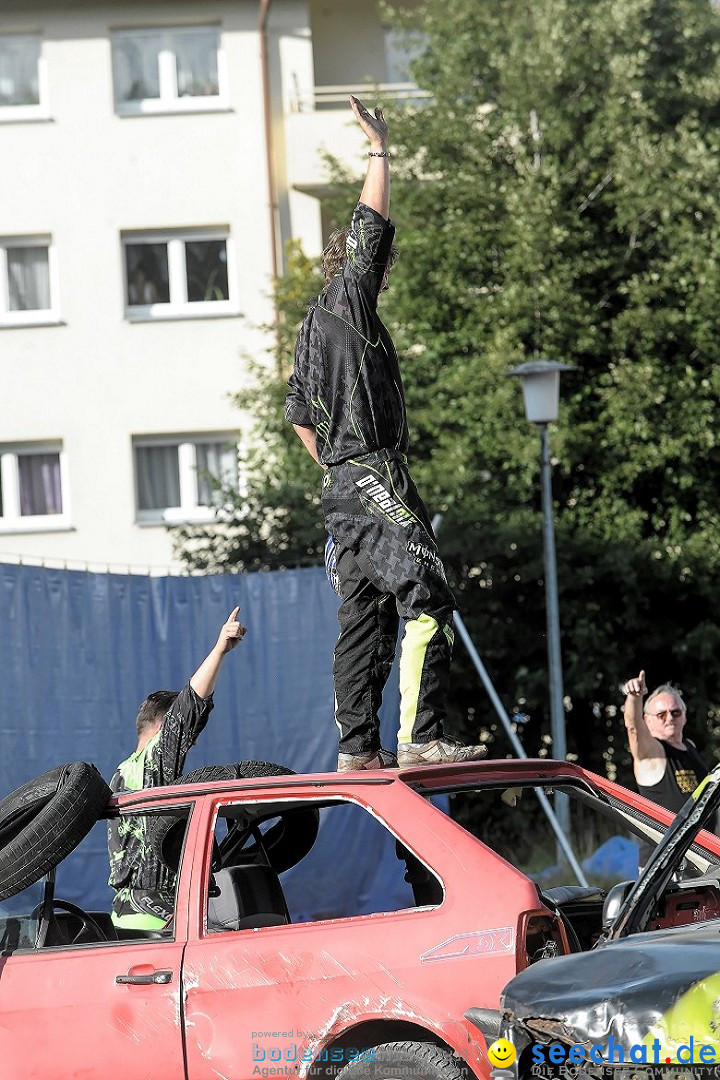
438, 752
366, 759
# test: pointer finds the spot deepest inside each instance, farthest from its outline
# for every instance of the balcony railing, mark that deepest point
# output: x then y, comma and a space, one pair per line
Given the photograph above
330, 97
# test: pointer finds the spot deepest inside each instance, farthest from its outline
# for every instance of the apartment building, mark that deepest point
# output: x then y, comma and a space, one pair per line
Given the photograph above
156, 158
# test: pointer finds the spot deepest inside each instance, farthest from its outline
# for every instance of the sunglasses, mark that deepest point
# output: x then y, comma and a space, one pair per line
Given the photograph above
675, 713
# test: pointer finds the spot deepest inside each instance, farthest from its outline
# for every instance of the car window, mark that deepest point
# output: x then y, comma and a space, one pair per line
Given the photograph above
270, 866
81, 913
20, 918
605, 840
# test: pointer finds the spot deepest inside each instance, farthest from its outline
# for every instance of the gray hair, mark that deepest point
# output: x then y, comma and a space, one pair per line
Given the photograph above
667, 688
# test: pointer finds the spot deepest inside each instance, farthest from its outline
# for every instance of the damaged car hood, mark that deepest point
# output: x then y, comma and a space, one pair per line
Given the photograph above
636, 985
663, 985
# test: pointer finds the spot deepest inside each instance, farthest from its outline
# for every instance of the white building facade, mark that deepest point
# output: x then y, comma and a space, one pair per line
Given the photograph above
156, 158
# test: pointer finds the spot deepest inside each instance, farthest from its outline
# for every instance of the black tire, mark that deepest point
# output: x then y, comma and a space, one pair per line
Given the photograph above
42, 821
285, 842
293, 835
22, 804
416, 1060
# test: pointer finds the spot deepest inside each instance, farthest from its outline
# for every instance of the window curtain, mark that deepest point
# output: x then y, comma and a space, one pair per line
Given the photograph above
401, 48
196, 61
28, 279
136, 73
19, 71
40, 488
158, 477
206, 266
219, 462
148, 277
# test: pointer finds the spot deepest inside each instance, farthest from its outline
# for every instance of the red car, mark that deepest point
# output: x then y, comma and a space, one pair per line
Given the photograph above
280, 961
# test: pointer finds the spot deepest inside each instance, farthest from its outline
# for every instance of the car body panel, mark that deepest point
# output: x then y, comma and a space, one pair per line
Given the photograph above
63, 1014
660, 985
428, 965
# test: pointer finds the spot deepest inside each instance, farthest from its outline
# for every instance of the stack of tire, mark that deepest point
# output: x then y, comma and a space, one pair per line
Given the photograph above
45, 819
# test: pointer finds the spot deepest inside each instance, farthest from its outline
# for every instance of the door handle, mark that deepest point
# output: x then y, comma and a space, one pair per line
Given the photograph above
159, 978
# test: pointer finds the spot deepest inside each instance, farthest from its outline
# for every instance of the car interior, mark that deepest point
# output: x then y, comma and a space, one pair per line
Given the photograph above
581, 912
257, 847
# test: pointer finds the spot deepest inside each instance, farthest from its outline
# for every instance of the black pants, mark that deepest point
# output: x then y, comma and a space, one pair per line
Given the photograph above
389, 568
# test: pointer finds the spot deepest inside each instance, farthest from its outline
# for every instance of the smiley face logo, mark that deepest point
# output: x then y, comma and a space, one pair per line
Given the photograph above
501, 1053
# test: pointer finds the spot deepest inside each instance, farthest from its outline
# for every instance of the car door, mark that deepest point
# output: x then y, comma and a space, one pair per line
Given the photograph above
65, 1012
264, 996
84, 1009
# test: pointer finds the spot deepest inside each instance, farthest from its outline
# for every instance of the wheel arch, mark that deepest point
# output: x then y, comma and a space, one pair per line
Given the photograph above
369, 1033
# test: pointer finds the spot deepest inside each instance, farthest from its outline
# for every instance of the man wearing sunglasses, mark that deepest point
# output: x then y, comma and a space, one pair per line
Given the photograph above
666, 763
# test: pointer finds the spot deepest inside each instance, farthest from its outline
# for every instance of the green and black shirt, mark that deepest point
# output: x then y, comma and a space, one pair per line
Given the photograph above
144, 888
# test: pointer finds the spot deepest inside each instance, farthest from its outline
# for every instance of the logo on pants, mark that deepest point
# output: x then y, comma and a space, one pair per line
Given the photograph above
426, 557
385, 502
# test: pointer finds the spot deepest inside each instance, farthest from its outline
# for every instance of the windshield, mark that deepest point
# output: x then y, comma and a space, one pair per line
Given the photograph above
680, 846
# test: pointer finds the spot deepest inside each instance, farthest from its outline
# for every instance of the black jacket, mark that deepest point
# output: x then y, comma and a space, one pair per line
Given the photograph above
346, 378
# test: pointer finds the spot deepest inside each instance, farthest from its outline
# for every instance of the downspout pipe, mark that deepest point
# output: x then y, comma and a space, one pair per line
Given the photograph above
267, 118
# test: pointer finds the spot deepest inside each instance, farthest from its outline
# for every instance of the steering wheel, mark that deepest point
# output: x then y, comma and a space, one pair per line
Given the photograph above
89, 924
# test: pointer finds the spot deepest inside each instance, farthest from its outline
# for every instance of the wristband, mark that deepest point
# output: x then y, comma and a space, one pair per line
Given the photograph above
378, 153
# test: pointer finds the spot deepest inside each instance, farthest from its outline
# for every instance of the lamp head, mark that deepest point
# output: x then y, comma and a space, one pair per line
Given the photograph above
541, 388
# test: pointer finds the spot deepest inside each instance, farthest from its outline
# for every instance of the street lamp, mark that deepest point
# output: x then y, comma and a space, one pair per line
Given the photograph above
541, 392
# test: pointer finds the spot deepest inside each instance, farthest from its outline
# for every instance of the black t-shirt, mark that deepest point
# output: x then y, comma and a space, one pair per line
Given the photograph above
346, 377
683, 772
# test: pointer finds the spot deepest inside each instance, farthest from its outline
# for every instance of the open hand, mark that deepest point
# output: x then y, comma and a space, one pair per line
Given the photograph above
374, 126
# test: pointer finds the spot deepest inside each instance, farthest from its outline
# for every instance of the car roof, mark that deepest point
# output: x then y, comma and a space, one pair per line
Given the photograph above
425, 778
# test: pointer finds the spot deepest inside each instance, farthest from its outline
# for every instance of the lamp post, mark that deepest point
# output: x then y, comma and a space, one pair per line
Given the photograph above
541, 392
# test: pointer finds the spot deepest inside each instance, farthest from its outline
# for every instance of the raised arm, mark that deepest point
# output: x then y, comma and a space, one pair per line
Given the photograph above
376, 189
231, 634
649, 759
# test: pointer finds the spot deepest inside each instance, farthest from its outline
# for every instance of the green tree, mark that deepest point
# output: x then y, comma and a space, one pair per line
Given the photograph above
557, 195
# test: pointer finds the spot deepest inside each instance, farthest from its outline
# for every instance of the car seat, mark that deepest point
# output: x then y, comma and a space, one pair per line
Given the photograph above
244, 897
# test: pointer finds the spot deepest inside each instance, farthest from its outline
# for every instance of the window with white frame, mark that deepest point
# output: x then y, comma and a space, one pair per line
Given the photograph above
170, 69
26, 280
32, 487
21, 83
179, 478
171, 274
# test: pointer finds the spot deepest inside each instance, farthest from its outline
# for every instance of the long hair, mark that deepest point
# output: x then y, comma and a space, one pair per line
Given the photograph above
335, 254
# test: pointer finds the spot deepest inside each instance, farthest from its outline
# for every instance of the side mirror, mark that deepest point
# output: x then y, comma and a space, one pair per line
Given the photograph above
614, 901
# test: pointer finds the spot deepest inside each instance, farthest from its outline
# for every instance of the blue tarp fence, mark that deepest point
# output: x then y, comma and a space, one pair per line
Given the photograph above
81, 650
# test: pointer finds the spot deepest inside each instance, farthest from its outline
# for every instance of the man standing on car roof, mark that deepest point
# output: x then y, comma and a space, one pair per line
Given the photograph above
347, 405
167, 723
